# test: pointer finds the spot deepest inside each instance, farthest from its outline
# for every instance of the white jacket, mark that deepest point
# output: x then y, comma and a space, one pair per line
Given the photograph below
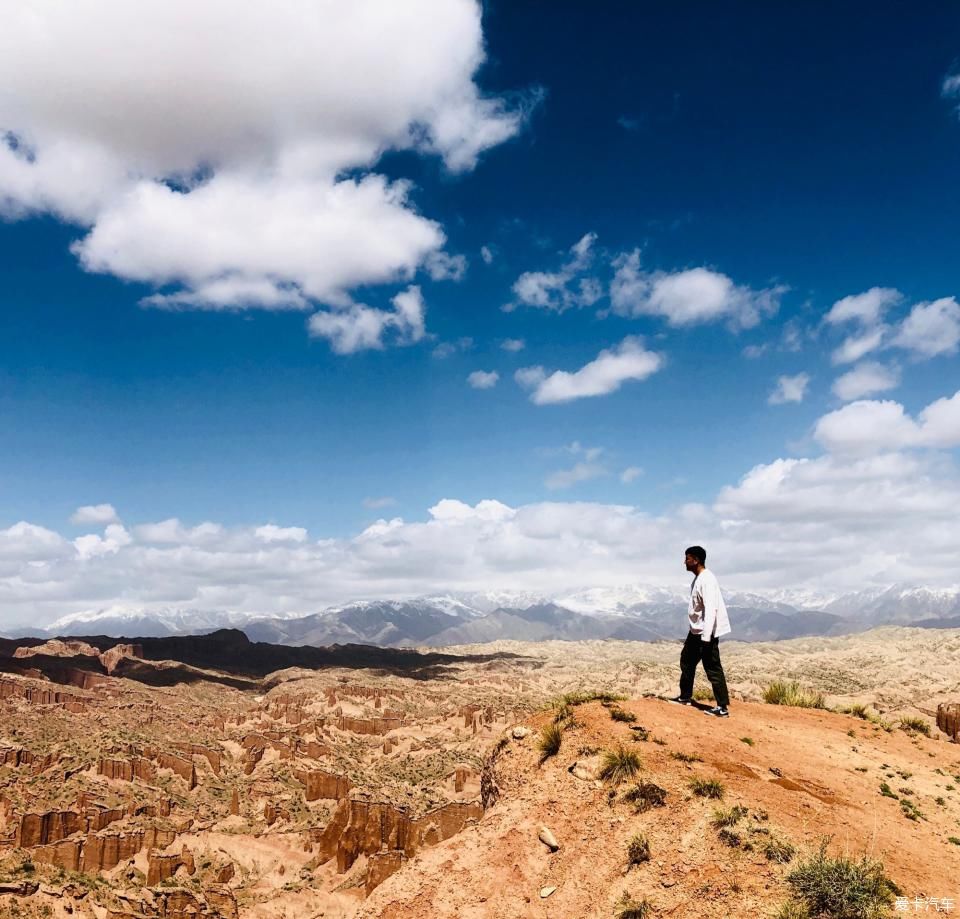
707, 613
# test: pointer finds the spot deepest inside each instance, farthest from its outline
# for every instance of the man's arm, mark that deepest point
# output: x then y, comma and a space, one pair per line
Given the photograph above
710, 591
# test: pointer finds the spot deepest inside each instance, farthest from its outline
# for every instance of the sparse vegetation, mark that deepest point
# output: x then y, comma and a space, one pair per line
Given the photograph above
638, 850
747, 740
792, 910
619, 765
707, 788
910, 810
551, 737
888, 792
628, 908
639, 733
954, 840
685, 757
730, 837
728, 816
645, 795
790, 692
841, 887
777, 850
703, 694
912, 724
619, 714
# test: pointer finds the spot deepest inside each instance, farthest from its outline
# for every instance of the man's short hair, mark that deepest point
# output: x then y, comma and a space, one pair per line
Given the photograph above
699, 553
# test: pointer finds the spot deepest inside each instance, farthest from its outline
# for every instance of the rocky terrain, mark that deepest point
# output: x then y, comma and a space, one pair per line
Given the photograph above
189, 777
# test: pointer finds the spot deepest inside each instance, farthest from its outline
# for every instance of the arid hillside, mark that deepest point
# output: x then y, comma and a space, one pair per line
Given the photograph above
356, 782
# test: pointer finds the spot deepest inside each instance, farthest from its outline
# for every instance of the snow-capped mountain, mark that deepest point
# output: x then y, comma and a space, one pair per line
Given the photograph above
635, 611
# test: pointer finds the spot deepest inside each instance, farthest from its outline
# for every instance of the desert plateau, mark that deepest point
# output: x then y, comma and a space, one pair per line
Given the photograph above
212, 776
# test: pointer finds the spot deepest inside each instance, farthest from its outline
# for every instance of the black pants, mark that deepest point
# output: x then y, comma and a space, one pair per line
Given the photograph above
695, 650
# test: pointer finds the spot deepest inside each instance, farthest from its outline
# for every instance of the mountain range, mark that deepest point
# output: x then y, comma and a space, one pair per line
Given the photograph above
637, 612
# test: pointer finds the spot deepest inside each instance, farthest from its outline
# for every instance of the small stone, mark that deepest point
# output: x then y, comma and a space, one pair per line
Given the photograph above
548, 839
519, 732
546, 891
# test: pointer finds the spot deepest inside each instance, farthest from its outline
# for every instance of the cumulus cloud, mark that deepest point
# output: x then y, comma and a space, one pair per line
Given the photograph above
564, 289
486, 253
95, 514
789, 389
866, 426
588, 466
867, 308
691, 297
513, 344
832, 522
931, 329
271, 533
362, 328
480, 379
227, 159
605, 374
866, 379
631, 474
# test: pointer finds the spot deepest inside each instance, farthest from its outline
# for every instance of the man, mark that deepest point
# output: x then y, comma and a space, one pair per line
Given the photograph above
707, 615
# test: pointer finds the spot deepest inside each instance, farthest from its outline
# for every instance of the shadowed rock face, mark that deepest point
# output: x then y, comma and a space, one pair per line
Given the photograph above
948, 719
367, 828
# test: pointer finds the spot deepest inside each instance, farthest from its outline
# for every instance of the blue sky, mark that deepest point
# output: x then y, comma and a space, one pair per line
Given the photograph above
198, 317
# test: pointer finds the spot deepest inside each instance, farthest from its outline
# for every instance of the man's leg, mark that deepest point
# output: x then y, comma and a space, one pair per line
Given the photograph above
689, 658
714, 669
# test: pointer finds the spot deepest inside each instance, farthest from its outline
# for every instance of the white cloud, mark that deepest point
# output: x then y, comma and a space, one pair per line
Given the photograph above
866, 427
857, 346
866, 379
513, 344
605, 374
579, 472
486, 253
691, 297
480, 379
271, 533
444, 267
226, 158
951, 85
867, 308
931, 329
448, 348
115, 537
631, 474
96, 514
360, 328
564, 289
789, 389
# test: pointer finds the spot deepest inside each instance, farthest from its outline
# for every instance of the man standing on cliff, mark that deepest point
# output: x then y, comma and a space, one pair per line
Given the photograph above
707, 617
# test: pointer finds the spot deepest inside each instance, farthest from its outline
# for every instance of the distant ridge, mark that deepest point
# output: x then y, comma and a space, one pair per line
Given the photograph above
633, 612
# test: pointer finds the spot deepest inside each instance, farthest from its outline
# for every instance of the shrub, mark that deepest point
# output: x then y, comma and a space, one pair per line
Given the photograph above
778, 850
792, 910
841, 888
954, 840
707, 788
915, 724
628, 908
703, 694
638, 850
619, 765
618, 714
645, 795
747, 740
790, 692
550, 739
685, 757
910, 810
728, 816
887, 791
639, 733
729, 837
